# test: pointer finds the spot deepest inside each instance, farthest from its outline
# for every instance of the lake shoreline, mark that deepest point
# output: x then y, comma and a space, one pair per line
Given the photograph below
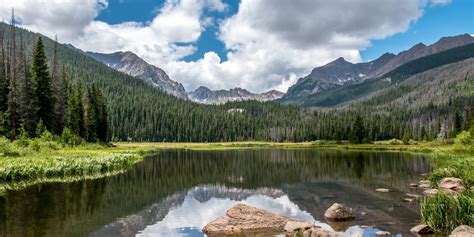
99, 161
71, 164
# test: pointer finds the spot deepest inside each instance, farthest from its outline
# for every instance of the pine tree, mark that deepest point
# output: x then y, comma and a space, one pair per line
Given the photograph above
43, 89
75, 111
457, 124
90, 115
59, 85
3, 76
13, 104
101, 112
358, 131
28, 105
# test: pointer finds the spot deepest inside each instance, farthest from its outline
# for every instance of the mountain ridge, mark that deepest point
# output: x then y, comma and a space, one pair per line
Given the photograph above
207, 96
130, 63
341, 73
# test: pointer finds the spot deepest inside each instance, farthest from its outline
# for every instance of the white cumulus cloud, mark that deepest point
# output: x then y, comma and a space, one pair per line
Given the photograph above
270, 43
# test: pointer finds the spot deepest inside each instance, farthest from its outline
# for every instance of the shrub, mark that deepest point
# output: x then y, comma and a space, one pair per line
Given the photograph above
406, 138
463, 141
445, 211
7, 148
395, 142
70, 139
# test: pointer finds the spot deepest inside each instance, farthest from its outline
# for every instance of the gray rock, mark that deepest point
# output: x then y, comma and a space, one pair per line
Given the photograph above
431, 192
463, 231
452, 184
244, 219
421, 230
338, 212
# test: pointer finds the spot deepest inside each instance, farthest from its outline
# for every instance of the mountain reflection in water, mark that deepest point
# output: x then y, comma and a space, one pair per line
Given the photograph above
177, 192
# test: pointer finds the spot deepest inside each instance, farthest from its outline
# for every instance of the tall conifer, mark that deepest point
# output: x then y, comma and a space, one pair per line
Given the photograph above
42, 82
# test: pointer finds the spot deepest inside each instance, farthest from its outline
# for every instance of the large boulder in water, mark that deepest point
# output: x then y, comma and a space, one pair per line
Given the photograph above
338, 212
452, 184
462, 231
242, 218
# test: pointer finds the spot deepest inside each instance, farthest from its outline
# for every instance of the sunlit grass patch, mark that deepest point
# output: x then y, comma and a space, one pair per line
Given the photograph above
446, 211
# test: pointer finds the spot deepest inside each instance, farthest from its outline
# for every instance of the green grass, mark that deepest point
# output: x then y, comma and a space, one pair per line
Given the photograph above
446, 211
24, 162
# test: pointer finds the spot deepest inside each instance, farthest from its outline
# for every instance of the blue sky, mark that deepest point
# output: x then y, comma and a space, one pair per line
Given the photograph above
437, 21
144, 11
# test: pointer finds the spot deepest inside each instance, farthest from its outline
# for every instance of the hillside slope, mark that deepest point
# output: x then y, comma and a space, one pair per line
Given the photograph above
340, 73
347, 93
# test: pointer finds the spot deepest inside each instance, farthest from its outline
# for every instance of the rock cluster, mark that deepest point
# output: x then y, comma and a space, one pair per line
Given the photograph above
338, 212
244, 219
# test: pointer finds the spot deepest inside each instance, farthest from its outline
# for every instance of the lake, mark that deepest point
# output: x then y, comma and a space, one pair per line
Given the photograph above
177, 192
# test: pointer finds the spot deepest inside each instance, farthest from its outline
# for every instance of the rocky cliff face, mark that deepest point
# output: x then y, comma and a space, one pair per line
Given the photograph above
208, 96
133, 65
340, 72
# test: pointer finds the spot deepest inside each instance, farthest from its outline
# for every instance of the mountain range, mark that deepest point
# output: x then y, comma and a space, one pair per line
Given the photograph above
423, 96
329, 80
206, 96
131, 64
341, 73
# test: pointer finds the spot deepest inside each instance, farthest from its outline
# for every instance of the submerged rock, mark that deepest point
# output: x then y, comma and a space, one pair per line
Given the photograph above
295, 226
338, 212
340, 226
424, 184
463, 231
318, 232
421, 230
452, 184
413, 195
382, 234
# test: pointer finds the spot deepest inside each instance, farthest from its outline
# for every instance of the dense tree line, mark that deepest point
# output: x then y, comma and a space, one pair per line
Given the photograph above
139, 112
36, 94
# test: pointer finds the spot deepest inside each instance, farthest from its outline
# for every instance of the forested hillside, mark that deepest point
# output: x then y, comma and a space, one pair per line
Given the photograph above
36, 99
140, 112
345, 94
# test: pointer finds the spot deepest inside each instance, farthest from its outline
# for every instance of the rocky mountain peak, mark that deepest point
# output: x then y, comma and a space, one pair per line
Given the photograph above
339, 62
128, 62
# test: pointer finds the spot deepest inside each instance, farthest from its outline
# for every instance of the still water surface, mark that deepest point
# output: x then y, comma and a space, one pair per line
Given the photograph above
177, 192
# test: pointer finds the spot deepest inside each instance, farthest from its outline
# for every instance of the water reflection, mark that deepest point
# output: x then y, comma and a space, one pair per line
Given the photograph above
179, 191
193, 214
